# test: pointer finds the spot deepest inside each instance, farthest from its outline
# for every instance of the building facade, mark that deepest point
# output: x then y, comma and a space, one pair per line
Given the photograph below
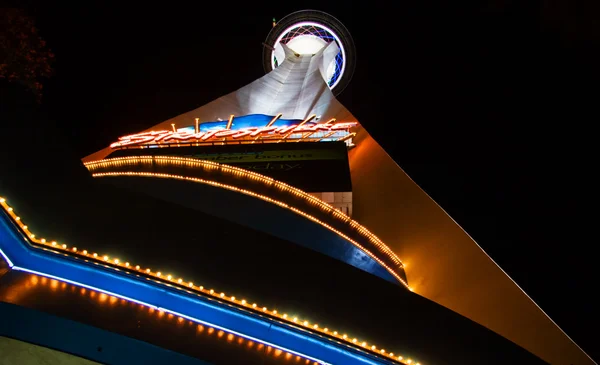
273, 178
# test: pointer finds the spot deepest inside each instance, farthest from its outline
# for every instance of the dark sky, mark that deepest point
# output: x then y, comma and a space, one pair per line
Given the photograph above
490, 108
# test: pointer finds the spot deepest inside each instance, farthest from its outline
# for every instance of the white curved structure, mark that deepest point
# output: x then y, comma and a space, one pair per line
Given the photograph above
296, 89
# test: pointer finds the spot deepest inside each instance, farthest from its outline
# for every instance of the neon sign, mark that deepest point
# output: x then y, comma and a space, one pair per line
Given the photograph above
182, 136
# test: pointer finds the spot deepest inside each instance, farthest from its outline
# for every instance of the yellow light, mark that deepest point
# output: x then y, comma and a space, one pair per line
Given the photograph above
379, 245
18, 218
95, 254
244, 301
274, 119
344, 336
229, 122
191, 284
222, 295
179, 280
32, 236
137, 267
2, 200
346, 137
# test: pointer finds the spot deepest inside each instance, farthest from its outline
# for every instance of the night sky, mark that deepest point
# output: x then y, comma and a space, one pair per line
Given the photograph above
489, 108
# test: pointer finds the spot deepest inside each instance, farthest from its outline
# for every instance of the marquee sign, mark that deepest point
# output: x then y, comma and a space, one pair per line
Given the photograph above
272, 132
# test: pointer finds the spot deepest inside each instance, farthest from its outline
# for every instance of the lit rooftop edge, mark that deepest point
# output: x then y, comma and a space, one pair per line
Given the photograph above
125, 280
396, 270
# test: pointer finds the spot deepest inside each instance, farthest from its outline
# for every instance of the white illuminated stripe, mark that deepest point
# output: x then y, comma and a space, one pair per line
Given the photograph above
10, 264
84, 285
105, 292
17, 268
243, 335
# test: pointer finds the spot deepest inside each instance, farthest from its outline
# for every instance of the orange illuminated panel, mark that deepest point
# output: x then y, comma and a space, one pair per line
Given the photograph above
275, 133
443, 263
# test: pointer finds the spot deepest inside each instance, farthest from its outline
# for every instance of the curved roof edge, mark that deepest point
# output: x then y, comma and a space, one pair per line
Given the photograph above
274, 192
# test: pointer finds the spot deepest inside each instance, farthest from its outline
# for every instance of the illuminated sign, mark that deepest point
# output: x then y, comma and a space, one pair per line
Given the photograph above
269, 156
185, 136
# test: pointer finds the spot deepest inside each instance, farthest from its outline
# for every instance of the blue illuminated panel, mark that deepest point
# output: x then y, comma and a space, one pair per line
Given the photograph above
257, 121
247, 121
21, 256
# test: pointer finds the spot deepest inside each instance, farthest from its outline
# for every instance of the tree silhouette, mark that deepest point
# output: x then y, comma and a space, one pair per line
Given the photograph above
24, 57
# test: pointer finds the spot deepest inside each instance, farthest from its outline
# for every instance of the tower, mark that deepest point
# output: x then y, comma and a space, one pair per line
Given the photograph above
282, 157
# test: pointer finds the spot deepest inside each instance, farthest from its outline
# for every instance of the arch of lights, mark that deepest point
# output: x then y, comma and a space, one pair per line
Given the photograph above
381, 248
129, 274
